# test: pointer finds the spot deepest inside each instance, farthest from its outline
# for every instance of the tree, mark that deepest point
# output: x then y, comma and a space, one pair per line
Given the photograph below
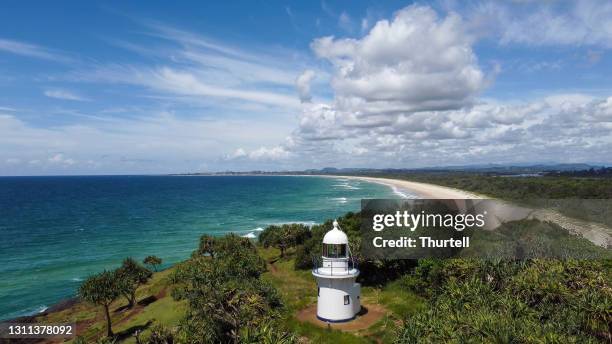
101, 290
207, 246
225, 294
267, 334
153, 261
129, 277
284, 237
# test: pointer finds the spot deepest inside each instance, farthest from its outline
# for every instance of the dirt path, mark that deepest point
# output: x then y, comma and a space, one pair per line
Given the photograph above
368, 316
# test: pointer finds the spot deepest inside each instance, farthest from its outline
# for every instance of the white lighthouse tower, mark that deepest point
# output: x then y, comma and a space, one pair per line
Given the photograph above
338, 294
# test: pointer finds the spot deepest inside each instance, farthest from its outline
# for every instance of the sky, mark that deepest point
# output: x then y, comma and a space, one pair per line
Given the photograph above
143, 87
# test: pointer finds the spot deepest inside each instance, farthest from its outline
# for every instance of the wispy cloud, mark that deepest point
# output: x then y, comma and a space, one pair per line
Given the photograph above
64, 94
31, 50
193, 67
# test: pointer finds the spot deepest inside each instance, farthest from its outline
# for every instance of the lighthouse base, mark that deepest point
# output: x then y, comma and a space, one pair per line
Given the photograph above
336, 321
338, 299
369, 315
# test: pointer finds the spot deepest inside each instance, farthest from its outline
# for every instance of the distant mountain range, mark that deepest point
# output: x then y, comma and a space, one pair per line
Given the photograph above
517, 169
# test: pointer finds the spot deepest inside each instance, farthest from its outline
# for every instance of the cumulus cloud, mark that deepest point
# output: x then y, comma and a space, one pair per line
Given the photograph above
403, 68
59, 158
576, 129
260, 154
405, 95
302, 83
414, 62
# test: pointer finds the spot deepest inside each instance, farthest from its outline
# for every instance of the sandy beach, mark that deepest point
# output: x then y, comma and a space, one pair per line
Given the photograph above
422, 190
596, 233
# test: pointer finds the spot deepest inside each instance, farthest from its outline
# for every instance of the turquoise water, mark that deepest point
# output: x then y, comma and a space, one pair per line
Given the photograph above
55, 231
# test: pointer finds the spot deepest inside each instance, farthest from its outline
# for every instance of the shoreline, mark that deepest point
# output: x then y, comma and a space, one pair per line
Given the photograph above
596, 233
414, 189
420, 190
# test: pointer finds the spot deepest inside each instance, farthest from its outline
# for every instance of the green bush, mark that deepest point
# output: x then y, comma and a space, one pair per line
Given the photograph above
535, 301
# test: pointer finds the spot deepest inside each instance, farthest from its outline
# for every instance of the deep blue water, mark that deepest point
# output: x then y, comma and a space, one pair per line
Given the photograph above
55, 231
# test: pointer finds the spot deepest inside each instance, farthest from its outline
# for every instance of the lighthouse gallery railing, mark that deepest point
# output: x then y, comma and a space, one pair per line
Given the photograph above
343, 267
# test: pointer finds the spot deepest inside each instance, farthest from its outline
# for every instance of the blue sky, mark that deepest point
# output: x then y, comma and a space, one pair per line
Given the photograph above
155, 87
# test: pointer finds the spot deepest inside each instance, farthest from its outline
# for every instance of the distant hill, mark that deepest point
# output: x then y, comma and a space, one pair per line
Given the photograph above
500, 169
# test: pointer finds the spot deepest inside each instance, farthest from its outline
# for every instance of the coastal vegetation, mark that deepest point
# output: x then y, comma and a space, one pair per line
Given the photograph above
129, 277
515, 187
234, 290
101, 290
152, 261
284, 236
506, 301
228, 301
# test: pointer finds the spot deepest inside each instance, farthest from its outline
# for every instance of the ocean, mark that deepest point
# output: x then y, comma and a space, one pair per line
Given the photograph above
55, 231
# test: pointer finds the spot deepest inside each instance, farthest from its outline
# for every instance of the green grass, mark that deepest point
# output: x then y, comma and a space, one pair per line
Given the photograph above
296, 287
298, 290
164, 311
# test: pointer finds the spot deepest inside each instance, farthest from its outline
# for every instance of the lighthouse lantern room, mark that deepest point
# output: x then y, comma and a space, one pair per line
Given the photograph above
338, 293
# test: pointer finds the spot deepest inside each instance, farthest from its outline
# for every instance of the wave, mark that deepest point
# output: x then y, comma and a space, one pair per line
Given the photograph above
28, 312
76, 279
346, 186
258, 229
340, 200
401, 193
305, 223
249, 235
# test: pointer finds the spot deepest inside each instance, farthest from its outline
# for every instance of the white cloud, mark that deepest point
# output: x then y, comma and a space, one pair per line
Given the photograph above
159, 143
573, 128
414, 62
275, 153
12, 161
544, 23
59, 158
272, 153
345, 22
31, 50
302, 83
405, 96
196, 68
64, 94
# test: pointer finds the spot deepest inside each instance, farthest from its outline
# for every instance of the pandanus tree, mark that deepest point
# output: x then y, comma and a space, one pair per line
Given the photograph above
225, 294
207, 246
101, 290
284, 237
152, 261
129, 277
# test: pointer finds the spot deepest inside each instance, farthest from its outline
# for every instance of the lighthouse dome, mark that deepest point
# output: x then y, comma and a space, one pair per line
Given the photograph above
335, 236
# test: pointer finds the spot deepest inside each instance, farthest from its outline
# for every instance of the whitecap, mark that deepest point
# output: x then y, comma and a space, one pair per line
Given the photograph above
250, 235
258, 229
305, 223
346, 186
401, 193
76, 279
340, 200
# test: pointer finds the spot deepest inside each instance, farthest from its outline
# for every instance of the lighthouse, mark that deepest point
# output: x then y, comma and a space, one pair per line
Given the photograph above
338, 293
